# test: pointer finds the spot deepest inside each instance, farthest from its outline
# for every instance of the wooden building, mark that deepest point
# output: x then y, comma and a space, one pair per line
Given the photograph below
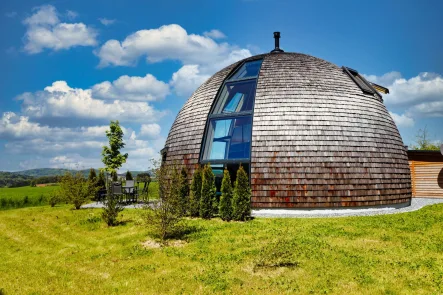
311, 134
426, 173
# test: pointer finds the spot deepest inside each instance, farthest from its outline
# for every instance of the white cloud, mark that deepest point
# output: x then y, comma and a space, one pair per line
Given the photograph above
45, 31
106, 22
215, 34
61, 101
146, 88
402, 120
186, 80
168, 42
150, 130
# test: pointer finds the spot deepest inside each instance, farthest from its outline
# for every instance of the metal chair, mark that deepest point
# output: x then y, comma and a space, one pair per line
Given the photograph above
117, 191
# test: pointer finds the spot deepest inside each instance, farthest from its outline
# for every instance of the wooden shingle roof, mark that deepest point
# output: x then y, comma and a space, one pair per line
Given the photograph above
317, 139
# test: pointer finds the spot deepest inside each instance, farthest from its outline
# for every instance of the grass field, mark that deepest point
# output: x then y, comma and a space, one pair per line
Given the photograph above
20, 197
61, 251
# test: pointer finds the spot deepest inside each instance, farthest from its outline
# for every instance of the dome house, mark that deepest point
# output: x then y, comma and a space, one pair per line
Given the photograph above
309, 133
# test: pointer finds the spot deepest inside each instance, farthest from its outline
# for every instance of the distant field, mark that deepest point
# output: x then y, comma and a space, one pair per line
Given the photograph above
57, 250
26, 196
20, 197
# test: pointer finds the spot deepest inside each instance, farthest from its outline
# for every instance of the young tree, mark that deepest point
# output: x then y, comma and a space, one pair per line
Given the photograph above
112, 158
196, 190
111, 210
423, 142
165, 218
208, 193
76, 189
226, 197
101, 182
114, 176
92, 175
241, 202
184, 191
129, 175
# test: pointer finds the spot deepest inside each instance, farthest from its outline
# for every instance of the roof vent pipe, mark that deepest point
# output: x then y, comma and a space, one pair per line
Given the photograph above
277, 43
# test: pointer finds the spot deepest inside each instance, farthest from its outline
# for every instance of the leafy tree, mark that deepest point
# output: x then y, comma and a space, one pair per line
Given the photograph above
184, 191
33, 183
208, 193
165, 218
241, 202
76, 189
112, 158
111, 210
196, 190
129, 175
92, 175
423, 142
101, 182
226, 197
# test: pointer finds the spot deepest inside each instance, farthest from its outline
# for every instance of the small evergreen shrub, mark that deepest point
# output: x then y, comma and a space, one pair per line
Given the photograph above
129, 175
241, 202
226, 197
111, 210
92, 175
208, 193
196, 190
184, 191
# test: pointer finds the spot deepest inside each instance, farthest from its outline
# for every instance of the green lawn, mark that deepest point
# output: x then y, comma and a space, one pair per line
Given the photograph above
61, 251
25, 196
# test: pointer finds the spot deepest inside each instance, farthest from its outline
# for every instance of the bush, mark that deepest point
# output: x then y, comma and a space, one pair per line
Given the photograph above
208, 193
129, 175
54, 198
165, 218
241, 202
184, 191
196, 190
111, 210
101, 183
92, 175
226, 197
76, 189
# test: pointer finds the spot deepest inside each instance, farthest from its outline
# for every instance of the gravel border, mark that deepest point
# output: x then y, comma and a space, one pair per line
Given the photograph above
416, 204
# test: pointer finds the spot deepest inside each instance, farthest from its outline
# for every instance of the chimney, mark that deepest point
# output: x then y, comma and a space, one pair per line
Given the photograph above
277, 43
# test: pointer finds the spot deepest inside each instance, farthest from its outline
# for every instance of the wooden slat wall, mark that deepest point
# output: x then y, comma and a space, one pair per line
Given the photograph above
319, 141
427, 179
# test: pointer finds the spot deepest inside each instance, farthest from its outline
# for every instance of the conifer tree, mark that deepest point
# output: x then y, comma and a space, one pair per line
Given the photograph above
92, 175
241, 202
226, 197
196, 190
129, 175
184, 191
208, 193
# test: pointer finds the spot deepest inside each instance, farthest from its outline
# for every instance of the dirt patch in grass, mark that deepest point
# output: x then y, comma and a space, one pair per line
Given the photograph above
151, 244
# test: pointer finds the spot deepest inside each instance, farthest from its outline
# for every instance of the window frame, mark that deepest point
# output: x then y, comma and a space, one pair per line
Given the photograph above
212, 116
363, 84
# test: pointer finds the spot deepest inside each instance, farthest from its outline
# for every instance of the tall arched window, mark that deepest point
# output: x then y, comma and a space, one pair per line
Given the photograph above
229, 126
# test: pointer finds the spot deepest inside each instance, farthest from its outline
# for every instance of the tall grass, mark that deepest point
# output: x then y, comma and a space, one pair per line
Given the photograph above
20, 197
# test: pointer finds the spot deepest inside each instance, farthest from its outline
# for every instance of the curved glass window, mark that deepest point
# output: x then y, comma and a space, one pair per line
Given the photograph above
229, 127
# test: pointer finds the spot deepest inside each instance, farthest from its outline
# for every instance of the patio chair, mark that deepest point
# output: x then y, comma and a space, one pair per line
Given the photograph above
130, 191
117, 191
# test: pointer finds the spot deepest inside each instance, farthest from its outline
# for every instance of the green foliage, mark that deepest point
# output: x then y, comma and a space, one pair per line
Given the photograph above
423, 142
76, 189
129, 175
111, 156
208, 193
92, 175
32, 184
55, 197
114, 176
241, 202
165, 218
101, 181
195, 195
184, 191
19, 197
111, 210
10, 179
226, 197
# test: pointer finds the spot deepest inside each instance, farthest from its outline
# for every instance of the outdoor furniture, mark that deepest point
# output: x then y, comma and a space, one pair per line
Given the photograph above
101, 195
117, 191
130, 191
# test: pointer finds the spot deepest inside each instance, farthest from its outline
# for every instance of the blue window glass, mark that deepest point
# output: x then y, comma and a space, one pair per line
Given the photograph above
236, 97
248, 70
229, 139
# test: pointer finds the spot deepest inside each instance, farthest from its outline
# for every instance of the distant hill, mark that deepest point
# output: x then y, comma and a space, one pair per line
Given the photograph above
10, 179
60, 171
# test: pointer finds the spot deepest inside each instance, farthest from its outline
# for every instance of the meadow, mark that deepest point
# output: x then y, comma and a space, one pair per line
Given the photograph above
57, 250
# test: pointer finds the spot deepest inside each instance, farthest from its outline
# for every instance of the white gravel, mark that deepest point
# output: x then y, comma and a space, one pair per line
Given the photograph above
416, 203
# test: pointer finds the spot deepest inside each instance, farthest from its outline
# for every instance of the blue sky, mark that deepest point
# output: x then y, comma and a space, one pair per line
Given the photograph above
68, 67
